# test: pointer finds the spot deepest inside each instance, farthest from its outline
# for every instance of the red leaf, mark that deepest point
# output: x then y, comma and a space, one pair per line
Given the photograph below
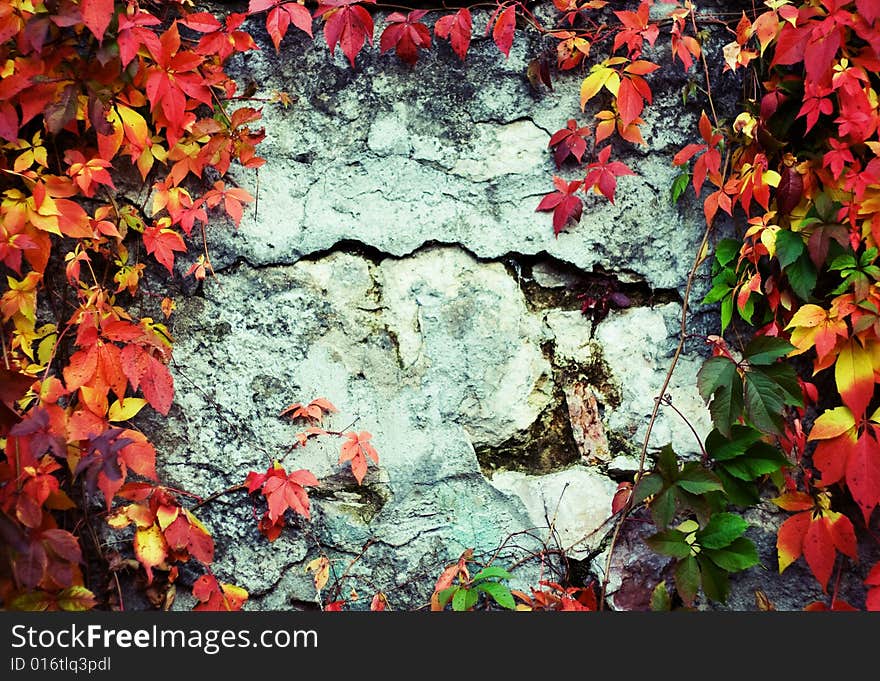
288, 492
379, 602
869, 10
255, 6
821, 49
629, 102
346, 24
299, 17
135, 362
81, 368
567, 208
504, 29
30, 565
458, 28
789, 191
162, 243
872, 601
213, 596
819, 551
405, 34
842, 534
63, 544
157, 384
281, 16
863, 474
96, 16
203, 22
8, 122
569, 141
140, 455
621, 496
602, 176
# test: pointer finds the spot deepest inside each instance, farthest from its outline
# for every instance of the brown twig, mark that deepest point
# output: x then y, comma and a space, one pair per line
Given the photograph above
699, 259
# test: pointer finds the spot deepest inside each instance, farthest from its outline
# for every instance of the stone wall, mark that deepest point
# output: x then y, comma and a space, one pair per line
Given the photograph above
395, 265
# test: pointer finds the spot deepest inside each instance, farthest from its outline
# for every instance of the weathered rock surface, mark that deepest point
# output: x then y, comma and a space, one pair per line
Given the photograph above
441, 357
395, 157
395, 265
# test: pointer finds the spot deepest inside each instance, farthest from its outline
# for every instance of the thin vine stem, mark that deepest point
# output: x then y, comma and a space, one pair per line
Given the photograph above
699, 259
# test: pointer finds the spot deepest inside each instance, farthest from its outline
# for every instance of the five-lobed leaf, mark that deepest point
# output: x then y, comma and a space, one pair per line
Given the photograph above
458, 28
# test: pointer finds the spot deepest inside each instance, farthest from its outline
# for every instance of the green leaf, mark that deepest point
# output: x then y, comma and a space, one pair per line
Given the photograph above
446, 594
471, 599
727, 406
762, 459
789, 247
669, 543
726, 250
843, 261
679, 185
802, 277
698, 480
716, 583
726, 313
646, 486
764, 402
459, 599
667, 463
660, 600
715, 373
687, 579
722, 529
766, 349
499, 593
740, 555
663, 508
698, 503
739, 492
491, 573
786, 378
741, 438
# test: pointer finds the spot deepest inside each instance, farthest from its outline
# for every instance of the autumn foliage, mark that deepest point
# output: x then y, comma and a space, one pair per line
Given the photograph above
98, 95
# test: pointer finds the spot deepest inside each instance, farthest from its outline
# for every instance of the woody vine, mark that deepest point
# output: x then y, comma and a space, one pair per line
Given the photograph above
96, 92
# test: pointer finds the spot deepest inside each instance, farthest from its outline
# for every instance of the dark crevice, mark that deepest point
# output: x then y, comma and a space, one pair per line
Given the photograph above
520, 266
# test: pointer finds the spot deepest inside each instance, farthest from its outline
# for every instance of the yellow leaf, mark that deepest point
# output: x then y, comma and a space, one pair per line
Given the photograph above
234, 595
688, 526
600, 76
150, 548
165, 515
321, 568
125, 409
118, 519
771, 177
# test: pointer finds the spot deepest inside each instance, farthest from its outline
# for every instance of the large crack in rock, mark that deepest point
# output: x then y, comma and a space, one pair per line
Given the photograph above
466, 382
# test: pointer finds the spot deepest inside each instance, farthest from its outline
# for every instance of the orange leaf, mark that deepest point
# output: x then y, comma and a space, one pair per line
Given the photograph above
831, 423
854, 375
356, 449
790, 539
